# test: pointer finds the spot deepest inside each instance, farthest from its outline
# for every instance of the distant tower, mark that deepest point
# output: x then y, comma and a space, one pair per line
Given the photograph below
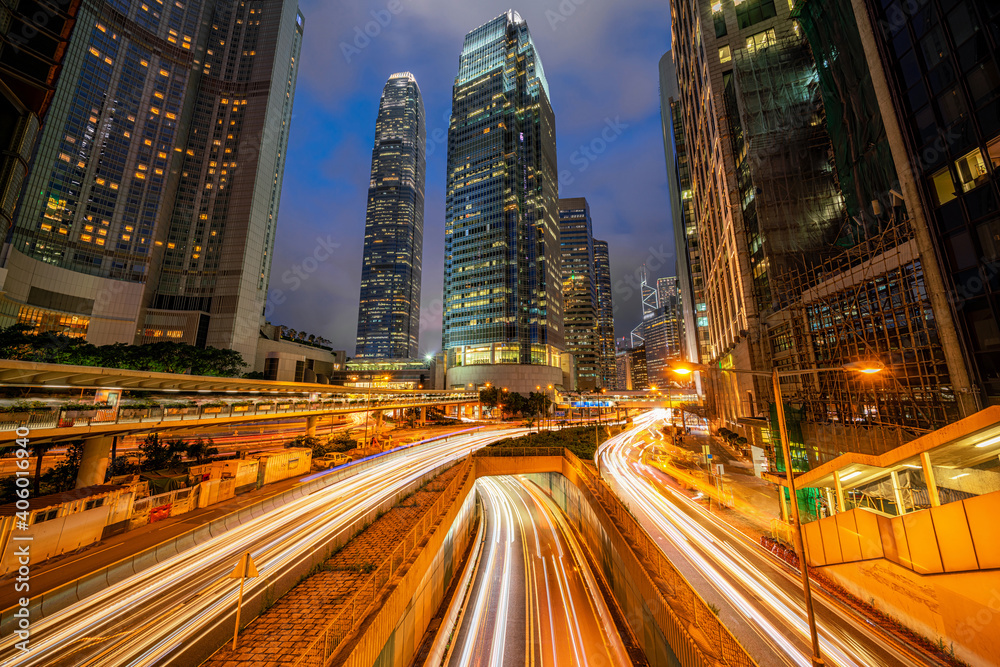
605, 315
580, 291
503, 313
389, 312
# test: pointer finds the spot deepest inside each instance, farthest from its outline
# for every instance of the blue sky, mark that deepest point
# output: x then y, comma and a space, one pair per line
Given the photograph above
600, 59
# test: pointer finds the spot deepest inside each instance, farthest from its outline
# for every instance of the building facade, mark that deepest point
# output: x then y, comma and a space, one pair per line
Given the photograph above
30, 63
150, 208
690, 281
605, 316
580, 303
389, 311
503, 311
763, 188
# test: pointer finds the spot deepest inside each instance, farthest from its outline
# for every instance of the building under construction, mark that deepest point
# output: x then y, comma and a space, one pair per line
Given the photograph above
823, 253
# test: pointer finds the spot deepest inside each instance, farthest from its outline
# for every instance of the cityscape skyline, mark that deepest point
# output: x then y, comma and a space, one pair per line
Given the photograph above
346, 123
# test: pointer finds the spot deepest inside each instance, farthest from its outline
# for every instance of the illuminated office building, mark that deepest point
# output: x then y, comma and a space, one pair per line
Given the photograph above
150, 209
389, 311
605, 316
503, 312
580, 291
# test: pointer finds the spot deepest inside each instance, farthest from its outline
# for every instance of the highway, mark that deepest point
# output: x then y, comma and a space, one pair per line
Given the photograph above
760, 601
180, 611
533, 600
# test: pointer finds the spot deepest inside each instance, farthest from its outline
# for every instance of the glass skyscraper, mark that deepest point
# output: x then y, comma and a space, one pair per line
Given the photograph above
605, 315
503, 318
389, 312
150, 209
580, 290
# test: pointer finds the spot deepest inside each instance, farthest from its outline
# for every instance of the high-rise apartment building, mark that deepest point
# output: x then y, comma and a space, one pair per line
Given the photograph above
503, 312
580, 303
389, 311
150, 209
605, 315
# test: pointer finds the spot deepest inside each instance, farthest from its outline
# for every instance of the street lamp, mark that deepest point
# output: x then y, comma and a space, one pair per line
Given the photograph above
868, 368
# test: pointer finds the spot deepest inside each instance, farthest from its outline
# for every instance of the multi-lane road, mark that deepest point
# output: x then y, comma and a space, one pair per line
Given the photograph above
179, 611
759, 599
533, 600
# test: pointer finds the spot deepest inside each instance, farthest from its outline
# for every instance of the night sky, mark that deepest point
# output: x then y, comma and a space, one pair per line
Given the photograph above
601, 61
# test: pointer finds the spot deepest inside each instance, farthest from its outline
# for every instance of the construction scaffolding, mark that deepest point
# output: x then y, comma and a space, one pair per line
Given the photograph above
835, 282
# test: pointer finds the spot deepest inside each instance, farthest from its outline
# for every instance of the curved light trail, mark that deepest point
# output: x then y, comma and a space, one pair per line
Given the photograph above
761, 594
534, 600
179, 611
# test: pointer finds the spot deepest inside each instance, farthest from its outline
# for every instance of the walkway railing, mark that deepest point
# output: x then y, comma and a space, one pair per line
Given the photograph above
102, 416
360, 605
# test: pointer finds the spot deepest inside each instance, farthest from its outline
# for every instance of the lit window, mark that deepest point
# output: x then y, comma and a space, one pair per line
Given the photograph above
94, 52
725, 54
944, 186
971, 169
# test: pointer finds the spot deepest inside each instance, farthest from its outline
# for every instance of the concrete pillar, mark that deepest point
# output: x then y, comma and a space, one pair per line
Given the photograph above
830, 503
784, 504
311, 425
932, 490
423, 416
839, 487
952, 348
94, 464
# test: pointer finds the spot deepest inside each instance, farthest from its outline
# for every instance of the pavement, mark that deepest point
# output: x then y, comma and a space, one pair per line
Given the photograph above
738, 496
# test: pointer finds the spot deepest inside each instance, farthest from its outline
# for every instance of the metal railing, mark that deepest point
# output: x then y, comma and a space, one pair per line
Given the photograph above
360, 604
63, 418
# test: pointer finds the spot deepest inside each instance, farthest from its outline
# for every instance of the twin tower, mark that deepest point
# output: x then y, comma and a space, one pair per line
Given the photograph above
503, 304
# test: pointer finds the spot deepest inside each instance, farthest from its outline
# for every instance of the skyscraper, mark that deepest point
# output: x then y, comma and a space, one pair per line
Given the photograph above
605, 315
666, 292
762, 183
690, 281
151, 206
503, 313
389, 312
580, 290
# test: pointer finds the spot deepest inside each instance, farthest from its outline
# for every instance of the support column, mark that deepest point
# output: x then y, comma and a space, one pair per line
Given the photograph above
311, 425
897, 494
932, 489
830, 503
841, 505
784, 504
423, 416
94, 464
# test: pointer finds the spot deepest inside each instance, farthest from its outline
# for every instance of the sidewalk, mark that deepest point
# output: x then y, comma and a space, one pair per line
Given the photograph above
754, 501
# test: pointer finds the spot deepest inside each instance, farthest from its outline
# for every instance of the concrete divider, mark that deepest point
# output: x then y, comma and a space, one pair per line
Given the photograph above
57, 599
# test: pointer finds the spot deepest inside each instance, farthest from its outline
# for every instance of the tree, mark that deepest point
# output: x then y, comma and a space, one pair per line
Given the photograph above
158, 454
490, 398
63, 476
38, 449
201, 450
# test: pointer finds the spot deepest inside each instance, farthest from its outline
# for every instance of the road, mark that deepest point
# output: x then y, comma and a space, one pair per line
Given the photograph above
534, 600
759, 600
178, 612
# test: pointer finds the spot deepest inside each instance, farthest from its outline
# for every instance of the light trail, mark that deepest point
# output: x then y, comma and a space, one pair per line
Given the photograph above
562, 615
766, 598
188, 596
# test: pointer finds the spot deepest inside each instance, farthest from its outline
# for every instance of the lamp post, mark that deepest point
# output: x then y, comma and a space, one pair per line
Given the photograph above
776, 375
